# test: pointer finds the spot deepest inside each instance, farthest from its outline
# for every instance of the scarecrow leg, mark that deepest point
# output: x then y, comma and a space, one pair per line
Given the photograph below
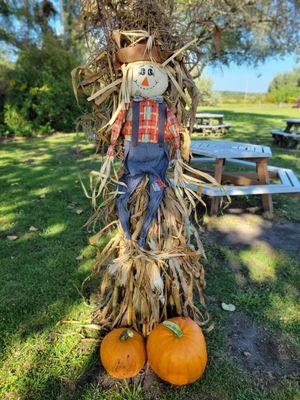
122, 200
153, 205
156, 191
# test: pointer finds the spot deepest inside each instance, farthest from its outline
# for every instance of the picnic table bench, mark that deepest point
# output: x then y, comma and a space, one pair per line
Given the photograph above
290, 136
244, 183
205, 123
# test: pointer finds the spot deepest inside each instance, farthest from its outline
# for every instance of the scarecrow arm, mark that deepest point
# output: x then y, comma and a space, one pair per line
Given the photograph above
173, 132
115, 132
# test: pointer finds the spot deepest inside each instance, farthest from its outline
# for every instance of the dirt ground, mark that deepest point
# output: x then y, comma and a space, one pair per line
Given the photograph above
244, 229
252, 346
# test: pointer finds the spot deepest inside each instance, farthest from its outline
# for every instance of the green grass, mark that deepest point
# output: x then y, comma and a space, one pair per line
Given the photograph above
40, 277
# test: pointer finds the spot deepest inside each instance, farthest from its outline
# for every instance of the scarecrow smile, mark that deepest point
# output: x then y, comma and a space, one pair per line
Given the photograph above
142, 86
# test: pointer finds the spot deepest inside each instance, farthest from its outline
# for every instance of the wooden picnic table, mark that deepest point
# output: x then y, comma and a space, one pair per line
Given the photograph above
292, 124
209, 118
220, 150
290, 136
211, 124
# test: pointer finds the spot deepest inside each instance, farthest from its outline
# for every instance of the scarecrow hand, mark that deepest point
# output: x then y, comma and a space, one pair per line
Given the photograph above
110, 151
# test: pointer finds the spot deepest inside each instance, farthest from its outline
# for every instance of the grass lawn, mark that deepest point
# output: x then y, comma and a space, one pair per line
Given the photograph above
252, 352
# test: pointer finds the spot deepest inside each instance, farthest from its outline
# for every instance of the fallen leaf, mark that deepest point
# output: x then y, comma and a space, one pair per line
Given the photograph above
72, 205
228, 307
78, 258
79, 211
33, 229
12, 237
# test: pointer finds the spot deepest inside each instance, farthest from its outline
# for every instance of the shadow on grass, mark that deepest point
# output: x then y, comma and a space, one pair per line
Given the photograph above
39, 273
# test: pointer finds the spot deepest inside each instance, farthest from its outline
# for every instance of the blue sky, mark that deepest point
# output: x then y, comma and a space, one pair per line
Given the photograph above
244, 78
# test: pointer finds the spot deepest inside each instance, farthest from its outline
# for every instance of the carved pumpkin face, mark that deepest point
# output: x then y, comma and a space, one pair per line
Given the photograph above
147, 79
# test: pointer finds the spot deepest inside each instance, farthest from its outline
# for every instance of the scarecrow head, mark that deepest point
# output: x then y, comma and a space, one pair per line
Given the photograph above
141, 64
147, 79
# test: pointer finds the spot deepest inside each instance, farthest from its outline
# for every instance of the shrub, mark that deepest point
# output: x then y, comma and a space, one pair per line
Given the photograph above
285, 88
207, 96
16, 122
39, 97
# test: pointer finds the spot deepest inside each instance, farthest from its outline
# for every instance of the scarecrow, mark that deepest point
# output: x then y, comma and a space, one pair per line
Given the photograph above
151, 137
143, 98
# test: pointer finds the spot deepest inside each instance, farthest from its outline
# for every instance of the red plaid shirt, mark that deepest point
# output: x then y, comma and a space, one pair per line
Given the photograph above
148, 126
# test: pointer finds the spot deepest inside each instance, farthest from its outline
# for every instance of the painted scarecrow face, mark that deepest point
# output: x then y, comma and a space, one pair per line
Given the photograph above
147, 80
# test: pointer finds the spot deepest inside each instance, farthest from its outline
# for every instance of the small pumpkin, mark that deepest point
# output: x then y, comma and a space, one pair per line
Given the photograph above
176, 351
123, 353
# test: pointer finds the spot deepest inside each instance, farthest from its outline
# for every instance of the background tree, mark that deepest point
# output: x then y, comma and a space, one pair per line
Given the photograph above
228, 31
285, 88
247, 31
38, 95
207, 96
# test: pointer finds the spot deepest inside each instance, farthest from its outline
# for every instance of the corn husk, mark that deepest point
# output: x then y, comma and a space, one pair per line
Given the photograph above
143, 286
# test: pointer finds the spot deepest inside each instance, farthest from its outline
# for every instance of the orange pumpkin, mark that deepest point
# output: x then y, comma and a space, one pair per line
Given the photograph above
176, 351
123, 353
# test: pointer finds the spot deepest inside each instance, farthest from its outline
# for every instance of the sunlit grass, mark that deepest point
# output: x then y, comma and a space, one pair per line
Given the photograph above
261, 262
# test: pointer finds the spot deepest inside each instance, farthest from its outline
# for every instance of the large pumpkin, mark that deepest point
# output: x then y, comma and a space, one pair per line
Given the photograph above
123, 353
176, 351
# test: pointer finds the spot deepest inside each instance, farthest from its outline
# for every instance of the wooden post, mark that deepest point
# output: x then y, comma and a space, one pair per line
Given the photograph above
215, 201
263, 178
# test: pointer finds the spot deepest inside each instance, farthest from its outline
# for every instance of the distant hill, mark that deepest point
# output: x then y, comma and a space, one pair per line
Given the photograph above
229, 93
227, 96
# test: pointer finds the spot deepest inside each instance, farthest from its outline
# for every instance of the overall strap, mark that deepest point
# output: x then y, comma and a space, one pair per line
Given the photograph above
135, 122
162, 115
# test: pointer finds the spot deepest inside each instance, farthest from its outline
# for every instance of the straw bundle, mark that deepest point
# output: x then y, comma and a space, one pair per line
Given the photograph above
142, 286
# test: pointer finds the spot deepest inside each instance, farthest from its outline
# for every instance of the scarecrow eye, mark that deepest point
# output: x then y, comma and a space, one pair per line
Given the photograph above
142, 71
150, 72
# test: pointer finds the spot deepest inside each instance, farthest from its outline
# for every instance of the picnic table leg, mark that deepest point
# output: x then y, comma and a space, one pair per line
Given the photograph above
215, 201
288, 127
263, 178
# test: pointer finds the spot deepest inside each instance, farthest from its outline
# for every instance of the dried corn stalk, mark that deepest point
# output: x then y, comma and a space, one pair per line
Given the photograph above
140, 287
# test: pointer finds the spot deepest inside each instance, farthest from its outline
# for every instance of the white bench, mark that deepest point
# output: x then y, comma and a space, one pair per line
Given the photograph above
220, 152
289, 182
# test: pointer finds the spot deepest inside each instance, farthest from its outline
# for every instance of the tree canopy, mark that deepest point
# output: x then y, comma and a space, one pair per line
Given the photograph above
46, 40
241, 31
285, 87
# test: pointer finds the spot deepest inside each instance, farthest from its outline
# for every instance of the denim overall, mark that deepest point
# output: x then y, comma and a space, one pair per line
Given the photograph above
141, 159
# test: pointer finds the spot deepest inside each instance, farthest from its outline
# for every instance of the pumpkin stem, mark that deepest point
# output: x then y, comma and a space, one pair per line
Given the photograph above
174, 328
127, 333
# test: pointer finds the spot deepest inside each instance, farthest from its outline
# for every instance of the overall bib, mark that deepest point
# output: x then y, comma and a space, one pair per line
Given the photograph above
140, 160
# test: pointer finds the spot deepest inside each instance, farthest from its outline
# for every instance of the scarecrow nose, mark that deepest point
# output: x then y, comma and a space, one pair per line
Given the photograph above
145, 82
